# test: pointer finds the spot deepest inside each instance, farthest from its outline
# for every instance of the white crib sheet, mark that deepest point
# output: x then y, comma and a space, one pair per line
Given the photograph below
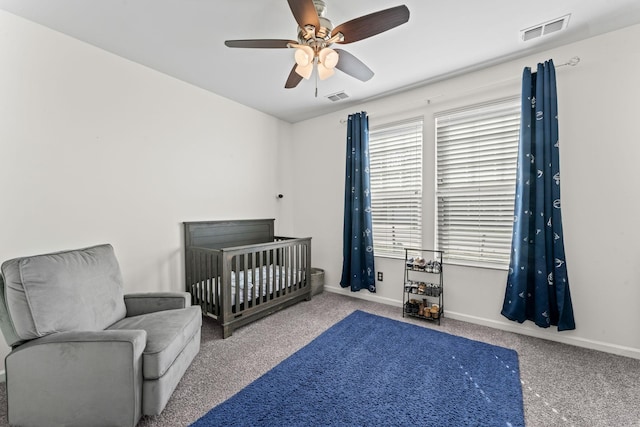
258, 278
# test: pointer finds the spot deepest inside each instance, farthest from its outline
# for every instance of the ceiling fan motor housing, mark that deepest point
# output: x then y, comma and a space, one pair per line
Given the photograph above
317, 38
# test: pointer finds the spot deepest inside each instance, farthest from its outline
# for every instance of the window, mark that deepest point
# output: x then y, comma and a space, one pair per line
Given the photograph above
395, 158
477, 150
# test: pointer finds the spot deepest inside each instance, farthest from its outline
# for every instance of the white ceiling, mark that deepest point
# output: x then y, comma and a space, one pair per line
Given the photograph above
185, 39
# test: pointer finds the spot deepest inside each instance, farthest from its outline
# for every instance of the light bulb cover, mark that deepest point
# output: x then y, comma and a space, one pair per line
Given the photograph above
305, 70
328, 57
325, 72
304, 55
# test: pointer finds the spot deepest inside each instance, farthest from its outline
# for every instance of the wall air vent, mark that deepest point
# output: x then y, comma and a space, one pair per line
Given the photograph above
544, 29
338, 96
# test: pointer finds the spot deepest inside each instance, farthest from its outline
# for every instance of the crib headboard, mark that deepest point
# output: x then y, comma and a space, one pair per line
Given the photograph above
225, 234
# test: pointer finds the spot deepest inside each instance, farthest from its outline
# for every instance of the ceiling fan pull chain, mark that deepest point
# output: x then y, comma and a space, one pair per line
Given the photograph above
316, 73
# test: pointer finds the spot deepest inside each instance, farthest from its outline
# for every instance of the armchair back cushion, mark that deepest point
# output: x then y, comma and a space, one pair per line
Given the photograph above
65, 291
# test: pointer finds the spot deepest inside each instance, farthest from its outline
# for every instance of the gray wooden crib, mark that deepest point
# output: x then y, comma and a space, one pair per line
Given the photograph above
239, 272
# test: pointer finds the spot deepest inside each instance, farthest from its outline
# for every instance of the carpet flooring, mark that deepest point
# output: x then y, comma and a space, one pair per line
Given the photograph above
562, 385
371, 370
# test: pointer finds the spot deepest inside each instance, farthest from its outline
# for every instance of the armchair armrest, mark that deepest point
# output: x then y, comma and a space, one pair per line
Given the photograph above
94, 375
150, 302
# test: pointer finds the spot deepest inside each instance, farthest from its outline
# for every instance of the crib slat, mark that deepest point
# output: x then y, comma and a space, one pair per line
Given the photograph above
213, 292
291, 270
216, 259
257, 286
283, 272
297, 269
189, 276
193, 278
287, 269
280, 275
250, 280
188, 270
202, 279
204, 291
301, 269
294, 267
269, 276
285, 280
261, 275
245, 290
235, 294
252, 260
199, 278
239, 294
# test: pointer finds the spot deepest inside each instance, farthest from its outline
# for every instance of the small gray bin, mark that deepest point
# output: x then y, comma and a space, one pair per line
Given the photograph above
317, 280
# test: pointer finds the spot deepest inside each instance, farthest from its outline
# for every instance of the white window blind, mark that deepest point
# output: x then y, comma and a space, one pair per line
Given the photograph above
395, 157
477, 150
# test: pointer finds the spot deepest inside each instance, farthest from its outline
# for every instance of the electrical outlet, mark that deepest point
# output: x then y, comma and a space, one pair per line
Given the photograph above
379, 276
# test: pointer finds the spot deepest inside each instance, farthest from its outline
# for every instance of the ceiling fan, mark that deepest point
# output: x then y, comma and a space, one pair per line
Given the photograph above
316, 34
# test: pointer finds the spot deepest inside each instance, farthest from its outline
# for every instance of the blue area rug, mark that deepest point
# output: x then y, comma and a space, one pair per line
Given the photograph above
368, 370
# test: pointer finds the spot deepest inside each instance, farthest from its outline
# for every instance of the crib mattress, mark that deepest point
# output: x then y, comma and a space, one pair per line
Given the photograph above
266, 280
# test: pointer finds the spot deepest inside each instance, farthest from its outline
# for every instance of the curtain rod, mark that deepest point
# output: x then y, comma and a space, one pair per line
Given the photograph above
572, 62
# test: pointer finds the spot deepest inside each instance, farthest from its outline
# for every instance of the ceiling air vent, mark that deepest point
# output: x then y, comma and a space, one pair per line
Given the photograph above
338, 96
545, 28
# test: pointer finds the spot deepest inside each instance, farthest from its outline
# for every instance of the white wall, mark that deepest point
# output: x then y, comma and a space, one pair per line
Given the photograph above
599, 155
98, 149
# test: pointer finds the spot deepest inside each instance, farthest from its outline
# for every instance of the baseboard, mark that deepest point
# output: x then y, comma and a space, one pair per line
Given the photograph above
509, 327
565, 339
3, 377
364, 295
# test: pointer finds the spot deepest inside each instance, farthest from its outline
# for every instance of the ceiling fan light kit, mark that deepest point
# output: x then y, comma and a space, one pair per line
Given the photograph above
305, 58
316, 34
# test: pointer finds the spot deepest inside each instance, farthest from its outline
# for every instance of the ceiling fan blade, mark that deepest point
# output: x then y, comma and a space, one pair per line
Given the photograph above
372, 24
305, 13
351, 65
260, 43
293, 79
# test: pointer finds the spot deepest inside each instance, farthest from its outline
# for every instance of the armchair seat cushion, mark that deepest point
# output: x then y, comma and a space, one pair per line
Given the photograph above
168, 332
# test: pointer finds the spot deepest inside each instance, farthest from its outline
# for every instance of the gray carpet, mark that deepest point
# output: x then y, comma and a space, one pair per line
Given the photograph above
562, 385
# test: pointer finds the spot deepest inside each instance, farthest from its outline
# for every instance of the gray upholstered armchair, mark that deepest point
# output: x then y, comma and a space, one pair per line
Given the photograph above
83, 353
